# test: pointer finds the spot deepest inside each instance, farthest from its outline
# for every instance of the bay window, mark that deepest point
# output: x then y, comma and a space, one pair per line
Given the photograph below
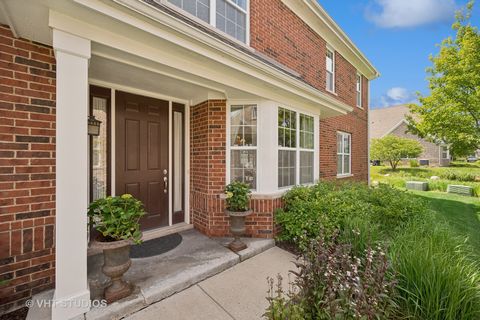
330, 67
290, 149
229, 16
344, 153
243, 144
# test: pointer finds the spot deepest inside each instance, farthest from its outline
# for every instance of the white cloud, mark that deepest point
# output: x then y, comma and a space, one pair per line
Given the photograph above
396, 96
410, 13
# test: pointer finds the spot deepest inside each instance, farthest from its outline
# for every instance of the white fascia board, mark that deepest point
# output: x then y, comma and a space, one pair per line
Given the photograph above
312, 13
192, 39
395, 127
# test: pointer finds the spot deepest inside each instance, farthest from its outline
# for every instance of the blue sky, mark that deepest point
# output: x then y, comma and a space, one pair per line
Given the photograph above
397, 36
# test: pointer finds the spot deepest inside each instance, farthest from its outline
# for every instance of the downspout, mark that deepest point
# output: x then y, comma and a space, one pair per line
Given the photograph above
368, 133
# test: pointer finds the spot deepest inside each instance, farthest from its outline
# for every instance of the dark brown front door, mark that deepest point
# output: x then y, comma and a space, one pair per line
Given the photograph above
141, 154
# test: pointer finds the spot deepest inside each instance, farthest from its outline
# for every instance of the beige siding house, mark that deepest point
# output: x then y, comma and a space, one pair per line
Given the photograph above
392, 120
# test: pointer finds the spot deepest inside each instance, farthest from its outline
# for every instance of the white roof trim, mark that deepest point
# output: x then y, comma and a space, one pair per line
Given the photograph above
395, 127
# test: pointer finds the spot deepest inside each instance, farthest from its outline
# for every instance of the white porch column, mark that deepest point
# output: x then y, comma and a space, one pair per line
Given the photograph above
72, 295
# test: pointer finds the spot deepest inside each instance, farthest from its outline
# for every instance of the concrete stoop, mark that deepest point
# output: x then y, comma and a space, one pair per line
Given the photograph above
156, 278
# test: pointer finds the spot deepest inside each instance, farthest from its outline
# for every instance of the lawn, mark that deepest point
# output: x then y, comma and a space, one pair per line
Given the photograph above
457, 173
462, 214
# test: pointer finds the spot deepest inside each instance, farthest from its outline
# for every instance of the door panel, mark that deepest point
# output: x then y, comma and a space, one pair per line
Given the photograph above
142, 154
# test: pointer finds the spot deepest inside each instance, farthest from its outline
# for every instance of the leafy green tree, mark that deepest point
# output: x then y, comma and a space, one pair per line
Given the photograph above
393, 149
451, 113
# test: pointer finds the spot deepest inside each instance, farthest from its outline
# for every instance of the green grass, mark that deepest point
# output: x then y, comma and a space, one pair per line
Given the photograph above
462, 214
458, 173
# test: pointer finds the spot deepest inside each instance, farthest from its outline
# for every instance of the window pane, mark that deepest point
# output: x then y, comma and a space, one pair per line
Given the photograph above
198, 8
232, 20
243, 125
330, 81
250, 136
99, 150
243, 166
339, 143
306, 167
286, 168
339, 164
346, 164
178, 160
306, 132
346, 143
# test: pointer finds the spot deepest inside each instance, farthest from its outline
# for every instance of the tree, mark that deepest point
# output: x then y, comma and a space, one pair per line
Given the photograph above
393, 149
451, 113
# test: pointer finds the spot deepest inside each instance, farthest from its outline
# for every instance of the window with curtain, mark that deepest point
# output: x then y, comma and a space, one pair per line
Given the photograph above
344, 141
243, 144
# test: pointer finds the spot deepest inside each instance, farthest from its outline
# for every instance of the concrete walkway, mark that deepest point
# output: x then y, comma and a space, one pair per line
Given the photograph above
238, 293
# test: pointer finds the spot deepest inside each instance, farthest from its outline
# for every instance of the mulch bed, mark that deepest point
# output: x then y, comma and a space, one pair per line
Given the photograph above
20, 314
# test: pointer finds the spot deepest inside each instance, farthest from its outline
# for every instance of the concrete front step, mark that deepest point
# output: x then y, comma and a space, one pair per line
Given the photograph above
195, 259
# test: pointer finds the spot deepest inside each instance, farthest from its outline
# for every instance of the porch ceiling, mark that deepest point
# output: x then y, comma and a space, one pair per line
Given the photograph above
128, 71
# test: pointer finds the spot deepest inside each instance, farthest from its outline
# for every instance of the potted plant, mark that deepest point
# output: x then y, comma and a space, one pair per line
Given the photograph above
237, 200
116, 219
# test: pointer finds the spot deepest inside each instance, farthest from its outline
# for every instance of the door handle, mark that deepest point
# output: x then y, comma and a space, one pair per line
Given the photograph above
165, 184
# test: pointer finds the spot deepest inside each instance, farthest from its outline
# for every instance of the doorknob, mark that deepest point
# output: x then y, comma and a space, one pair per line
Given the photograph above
165, 184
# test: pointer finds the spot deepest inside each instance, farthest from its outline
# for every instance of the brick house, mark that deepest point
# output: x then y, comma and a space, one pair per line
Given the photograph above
191, 94
393, 121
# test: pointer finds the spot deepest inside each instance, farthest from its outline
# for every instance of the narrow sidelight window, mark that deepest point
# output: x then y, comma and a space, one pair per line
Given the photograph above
306, 149
243, 144
359, 90
330, 61
99, 145
344, 161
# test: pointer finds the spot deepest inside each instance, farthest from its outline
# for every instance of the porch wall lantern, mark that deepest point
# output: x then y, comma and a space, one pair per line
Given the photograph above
93, 126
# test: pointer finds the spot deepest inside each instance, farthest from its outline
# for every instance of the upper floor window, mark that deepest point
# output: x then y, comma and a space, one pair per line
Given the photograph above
359, 90
330, 60
344, 153
243, 144
229, 16
198, 8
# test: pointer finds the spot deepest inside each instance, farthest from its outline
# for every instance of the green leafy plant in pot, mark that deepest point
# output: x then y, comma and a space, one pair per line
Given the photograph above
237, 202
117, 221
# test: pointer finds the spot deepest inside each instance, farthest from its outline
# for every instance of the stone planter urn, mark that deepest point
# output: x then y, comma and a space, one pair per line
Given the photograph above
237, 228
116, 262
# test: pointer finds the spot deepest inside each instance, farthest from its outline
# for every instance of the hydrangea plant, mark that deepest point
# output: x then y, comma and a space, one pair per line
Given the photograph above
237, 196
117, 218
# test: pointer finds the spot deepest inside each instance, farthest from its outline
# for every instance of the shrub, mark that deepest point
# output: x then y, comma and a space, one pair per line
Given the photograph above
116, 218
437, 278
333, 283
237, 196
330, 206
414, 163
458, 175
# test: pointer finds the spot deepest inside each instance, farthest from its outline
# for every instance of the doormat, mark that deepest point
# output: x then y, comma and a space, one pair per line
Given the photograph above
156, 247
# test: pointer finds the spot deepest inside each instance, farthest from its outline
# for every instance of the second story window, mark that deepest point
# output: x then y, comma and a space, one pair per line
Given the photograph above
229, 16
330, 59
198, 8
359, 90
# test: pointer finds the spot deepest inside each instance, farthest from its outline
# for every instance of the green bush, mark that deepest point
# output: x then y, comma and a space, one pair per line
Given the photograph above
437, 276
330, 206
237, 196
458, 175
414, 163
116, 218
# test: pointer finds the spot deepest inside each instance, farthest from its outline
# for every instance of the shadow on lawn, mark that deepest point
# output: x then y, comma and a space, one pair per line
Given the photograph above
461, 213
419, 172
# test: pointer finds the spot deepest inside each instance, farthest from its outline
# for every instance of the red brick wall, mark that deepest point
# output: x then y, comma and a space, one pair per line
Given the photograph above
280, 34
207, 176
27, 169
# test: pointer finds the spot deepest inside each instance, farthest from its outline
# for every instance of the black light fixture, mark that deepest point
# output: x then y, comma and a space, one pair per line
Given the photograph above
93, 126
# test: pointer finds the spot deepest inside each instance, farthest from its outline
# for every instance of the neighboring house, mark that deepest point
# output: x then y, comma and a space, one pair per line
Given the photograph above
392, 120
191, 94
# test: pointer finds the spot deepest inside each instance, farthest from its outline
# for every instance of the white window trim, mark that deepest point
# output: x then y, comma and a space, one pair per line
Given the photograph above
349, 174
229, 144
298, 149
330, 49
359, 91
213, 19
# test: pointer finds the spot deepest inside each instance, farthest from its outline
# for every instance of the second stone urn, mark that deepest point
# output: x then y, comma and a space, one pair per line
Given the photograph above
237, 228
